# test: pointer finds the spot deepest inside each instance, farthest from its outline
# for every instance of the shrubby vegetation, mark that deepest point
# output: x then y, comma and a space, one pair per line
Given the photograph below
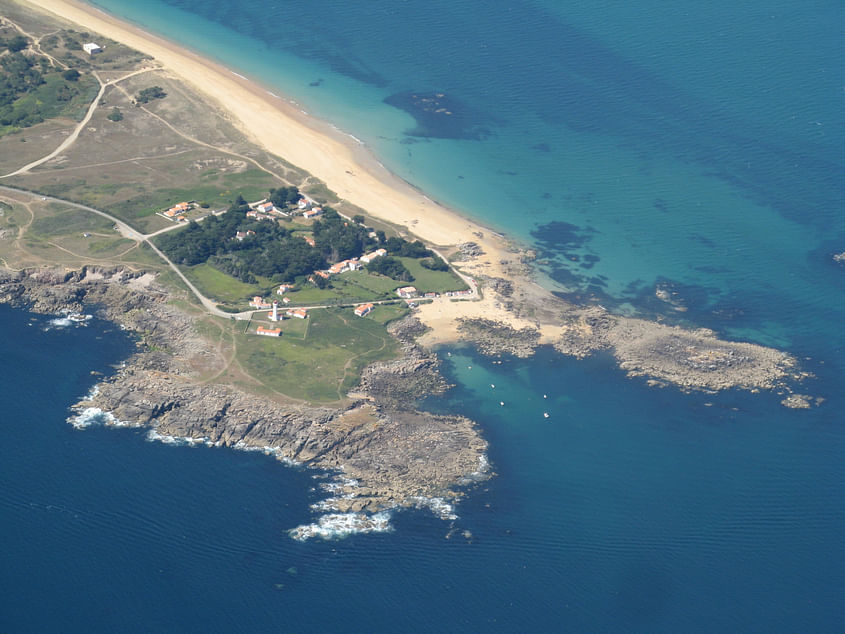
14, 44
148, 94
404, 249
115, 114
391, 267
435, 264
23, 76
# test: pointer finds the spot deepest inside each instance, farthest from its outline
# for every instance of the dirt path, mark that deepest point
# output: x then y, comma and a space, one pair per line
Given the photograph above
36, 43
71, 139
216, 148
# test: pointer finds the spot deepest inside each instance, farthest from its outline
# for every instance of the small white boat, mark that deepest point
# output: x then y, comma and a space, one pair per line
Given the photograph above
545, 414
544, 396
492, 386
502, 403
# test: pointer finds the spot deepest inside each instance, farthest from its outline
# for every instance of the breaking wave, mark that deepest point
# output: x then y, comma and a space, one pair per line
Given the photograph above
439, 506
70, 319
154, 436
340, 525
91, 416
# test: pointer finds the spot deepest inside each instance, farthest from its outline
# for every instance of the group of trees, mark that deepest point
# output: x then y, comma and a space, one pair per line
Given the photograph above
274, 251
390, 267
14, 44
18, 77
284, 196
24, 98
148, 94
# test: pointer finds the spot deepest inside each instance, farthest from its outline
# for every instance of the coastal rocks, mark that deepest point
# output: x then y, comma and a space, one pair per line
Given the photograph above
801, 401
383, 452
467, 251
690, 359
495, 338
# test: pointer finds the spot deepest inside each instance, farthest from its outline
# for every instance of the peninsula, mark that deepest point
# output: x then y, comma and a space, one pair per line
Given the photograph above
198, 211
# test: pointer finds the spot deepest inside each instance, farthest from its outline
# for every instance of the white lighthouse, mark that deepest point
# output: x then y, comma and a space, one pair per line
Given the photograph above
274, 316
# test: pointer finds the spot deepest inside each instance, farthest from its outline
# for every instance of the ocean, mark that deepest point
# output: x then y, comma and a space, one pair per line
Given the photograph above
694, 147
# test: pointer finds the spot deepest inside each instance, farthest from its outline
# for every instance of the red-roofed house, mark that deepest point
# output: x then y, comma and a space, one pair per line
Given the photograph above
364, 309
268, 332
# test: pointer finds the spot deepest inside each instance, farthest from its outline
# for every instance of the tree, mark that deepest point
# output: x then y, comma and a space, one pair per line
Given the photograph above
115, 114
358, 219
435, 264
148, 94
284, 196
17, 43
390, 267
71, 74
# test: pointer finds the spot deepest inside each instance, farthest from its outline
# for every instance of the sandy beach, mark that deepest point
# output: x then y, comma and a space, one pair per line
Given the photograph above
347, 167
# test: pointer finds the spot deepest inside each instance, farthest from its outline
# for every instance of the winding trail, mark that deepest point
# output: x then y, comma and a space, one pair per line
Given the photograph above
71, 139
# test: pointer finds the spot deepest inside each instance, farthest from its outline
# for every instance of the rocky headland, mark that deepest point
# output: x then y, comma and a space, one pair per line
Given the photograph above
383, 452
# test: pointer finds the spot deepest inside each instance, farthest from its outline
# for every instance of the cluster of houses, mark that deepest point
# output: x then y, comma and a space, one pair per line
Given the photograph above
265, 210
352, 264
259, 303
177, 212
275, 316
463, 293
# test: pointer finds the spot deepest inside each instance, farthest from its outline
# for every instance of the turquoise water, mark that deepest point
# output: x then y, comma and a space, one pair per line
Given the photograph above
633, 144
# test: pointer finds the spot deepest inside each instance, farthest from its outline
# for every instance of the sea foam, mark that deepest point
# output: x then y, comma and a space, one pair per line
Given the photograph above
91, 416
340, 525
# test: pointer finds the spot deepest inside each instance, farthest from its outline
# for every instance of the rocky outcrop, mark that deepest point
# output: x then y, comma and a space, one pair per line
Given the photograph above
388, 453
494, 338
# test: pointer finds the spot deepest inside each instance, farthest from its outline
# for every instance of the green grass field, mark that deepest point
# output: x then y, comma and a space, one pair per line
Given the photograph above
372, 283
322, 367
220, 286
432, 281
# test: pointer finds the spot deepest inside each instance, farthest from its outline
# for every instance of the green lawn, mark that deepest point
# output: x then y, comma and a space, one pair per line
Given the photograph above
372, 283
432, 281
218, 190
324, 366
385, 313
67, 221
220, 286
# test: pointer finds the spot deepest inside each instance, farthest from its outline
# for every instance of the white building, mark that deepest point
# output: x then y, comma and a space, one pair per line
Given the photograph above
91, 48
406, 292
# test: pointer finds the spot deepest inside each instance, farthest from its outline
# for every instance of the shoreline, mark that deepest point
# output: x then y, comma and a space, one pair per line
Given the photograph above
514, 313
372, 189
346, 165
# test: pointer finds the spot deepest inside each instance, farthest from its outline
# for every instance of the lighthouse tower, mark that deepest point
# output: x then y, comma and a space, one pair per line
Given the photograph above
274, 316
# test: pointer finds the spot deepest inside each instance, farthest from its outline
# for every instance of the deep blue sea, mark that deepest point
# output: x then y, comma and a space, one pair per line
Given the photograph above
696, 146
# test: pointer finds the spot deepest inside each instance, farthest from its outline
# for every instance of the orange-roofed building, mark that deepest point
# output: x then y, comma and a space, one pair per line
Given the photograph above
364, 309
269, 332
